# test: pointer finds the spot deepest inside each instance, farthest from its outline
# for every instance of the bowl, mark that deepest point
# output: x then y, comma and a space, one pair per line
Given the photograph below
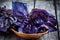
29, 36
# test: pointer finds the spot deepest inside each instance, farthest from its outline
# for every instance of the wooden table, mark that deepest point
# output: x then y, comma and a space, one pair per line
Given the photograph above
10, 36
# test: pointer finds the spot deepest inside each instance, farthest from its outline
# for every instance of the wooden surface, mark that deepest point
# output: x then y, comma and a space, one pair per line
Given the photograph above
48, 36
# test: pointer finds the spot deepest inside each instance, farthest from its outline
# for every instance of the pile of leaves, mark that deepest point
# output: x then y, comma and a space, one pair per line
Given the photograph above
37, 21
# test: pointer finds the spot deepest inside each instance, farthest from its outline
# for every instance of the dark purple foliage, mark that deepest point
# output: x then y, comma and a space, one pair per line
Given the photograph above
37, 21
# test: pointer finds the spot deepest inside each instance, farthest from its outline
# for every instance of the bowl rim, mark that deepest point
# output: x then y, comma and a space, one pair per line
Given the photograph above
30, 34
